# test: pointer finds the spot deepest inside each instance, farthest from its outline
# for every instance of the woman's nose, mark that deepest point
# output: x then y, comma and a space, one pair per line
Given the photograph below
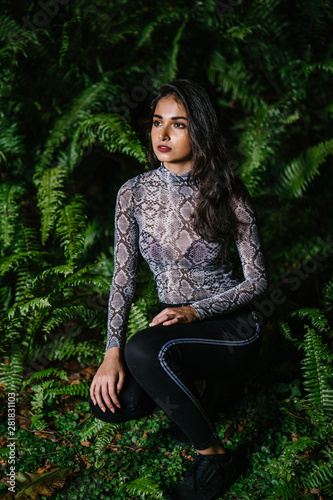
163, 134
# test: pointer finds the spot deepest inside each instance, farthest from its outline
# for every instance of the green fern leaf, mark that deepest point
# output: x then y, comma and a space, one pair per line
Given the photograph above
81, 389
10, 194
61, 315
11, 373
44, 374
137, 320
16, 261
112, 132
103, 438
301, 171
65, 37
37, 303
50, 184
104, 433
64, 348
171, 67
12, 33
62, 270
91, 99
318, 373
11, 140
316, 317
70, 224
321, 473
286, 330
328, 294
93, 429
144, 486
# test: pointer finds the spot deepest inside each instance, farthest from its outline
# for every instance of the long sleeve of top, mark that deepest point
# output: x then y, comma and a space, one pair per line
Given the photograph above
154, 215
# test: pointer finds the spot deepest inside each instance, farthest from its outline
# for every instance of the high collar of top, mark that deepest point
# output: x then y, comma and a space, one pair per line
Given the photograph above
172, 178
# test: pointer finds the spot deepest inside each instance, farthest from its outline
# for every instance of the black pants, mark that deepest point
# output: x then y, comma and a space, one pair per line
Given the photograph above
162, 362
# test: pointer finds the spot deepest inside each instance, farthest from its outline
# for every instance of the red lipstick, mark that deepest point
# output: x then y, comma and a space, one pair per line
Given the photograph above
164, 149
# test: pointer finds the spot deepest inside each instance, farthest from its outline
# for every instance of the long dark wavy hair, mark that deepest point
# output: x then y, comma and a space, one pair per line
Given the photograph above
212, 170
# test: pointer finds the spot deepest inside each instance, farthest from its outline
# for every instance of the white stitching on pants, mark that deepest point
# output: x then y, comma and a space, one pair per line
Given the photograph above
167, 369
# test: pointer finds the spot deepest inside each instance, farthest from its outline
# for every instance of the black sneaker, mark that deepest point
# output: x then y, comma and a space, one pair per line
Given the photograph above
207, 479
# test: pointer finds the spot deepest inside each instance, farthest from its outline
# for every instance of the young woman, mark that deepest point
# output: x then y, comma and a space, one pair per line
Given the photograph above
183, 216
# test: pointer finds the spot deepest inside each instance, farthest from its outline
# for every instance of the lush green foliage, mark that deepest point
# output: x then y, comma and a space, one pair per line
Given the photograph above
75, 83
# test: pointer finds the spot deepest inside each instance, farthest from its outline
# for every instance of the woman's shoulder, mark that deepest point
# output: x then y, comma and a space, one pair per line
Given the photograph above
139, 180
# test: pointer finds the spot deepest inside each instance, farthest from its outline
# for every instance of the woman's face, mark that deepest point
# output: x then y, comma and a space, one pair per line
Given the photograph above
169, 135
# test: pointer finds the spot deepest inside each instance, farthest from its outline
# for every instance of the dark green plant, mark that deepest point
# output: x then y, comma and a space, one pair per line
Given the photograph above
72, 96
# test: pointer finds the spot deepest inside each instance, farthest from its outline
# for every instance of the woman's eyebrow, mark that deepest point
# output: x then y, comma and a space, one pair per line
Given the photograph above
173, 117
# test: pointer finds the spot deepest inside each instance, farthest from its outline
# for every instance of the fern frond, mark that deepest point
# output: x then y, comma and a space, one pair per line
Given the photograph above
39, 391
283, 489
35, 304
318, 373
14, 36
81, 389
5, 298
65, 37
321, 473
144, 486
11, 140
103, 438
316, 317
104, 433
146, 34
302, 444
89, 279
170, 71
69, 228
286, 330
50, 184
62, 270
10, 194
235, 81
284, 484
63, 314
137, 320
11, 373
94, 428
44, 374
15, 261
112, 132
64, 348
328, 294
261, 140
301, 171
320, 65
239, 32
91, 99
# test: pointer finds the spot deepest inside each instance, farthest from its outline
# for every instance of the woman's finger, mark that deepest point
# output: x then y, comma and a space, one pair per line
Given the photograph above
110, 397
92, 393
120, 383
99, 400
164, 315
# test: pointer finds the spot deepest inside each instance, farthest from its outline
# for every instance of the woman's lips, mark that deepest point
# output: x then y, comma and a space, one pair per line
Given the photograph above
164, 149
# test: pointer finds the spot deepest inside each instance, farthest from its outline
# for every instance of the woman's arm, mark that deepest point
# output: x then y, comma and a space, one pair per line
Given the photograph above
109, 378
247, 238
125, 266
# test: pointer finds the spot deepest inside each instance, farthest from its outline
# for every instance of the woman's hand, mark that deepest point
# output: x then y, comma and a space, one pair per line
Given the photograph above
173, 315
108, 381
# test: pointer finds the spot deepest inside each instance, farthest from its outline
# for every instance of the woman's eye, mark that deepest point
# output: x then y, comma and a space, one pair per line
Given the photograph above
156, 123
180, 125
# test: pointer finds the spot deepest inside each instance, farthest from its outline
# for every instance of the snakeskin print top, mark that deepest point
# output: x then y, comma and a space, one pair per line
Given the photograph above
153, 215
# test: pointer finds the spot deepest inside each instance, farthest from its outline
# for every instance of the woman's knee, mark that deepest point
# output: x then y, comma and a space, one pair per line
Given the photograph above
108, 416
142, 349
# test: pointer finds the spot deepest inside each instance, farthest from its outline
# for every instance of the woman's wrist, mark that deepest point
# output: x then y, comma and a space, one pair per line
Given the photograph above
113, 353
